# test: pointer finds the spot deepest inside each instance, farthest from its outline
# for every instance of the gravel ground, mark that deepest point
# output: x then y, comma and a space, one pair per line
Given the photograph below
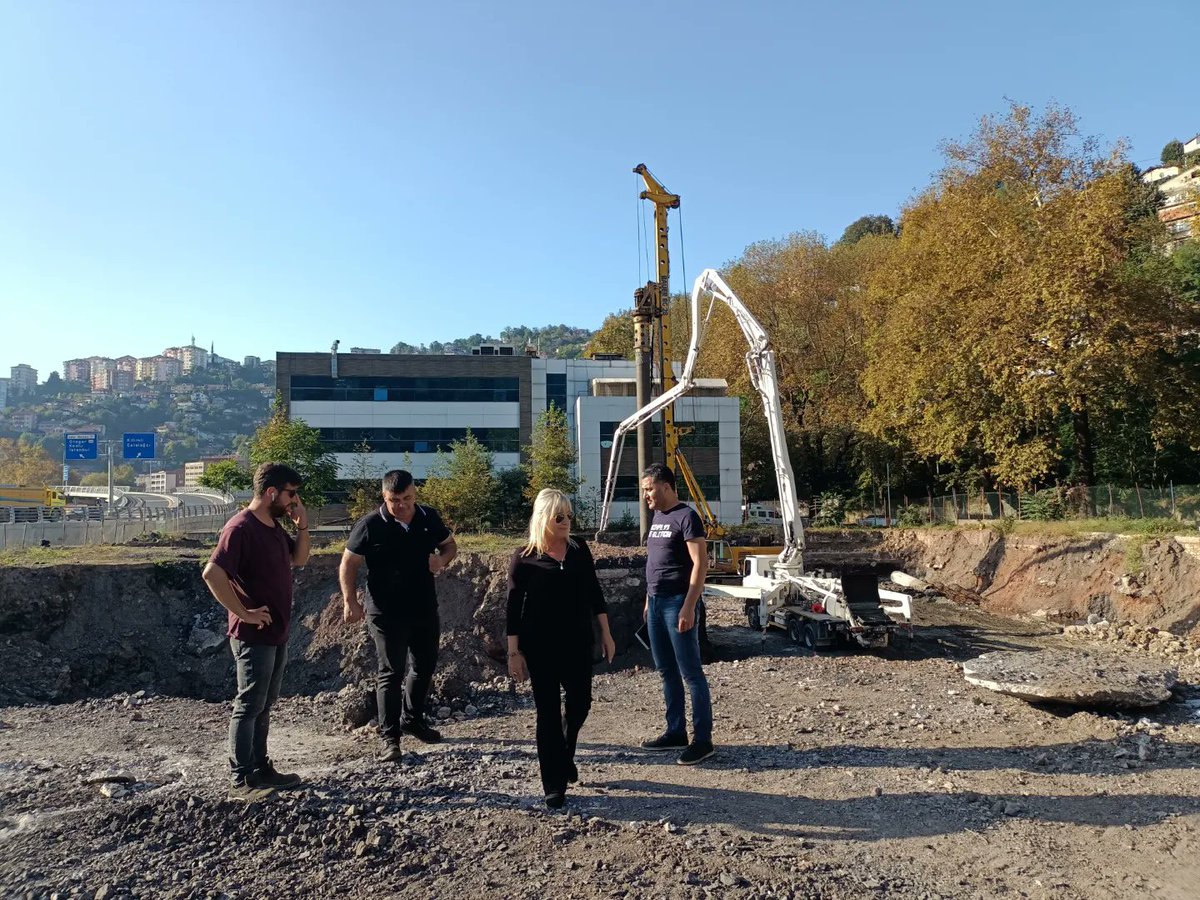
838, 775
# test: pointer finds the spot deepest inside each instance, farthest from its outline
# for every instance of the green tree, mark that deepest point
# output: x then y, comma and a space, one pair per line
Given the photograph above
865, 225
226, 475
26, 463
510, 510
462, 485
298, 445
550, 455
363, 491
1172, 153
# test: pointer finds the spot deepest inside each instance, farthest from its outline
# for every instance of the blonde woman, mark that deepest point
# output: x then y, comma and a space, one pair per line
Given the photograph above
553, 594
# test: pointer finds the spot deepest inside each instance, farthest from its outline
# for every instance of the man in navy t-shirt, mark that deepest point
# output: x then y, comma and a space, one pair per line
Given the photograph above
676, 563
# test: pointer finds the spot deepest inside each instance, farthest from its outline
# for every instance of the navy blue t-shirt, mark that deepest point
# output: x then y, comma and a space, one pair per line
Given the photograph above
668, 563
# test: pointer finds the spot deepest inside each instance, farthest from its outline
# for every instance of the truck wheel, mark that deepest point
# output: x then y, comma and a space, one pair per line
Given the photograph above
753, 621
796, 630
809, 638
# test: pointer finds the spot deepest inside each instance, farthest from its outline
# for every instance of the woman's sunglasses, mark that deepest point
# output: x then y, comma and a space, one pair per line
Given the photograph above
563, 517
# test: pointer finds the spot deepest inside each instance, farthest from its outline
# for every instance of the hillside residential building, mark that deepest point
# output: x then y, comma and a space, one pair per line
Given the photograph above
415, 405
1180, 188
22, 382
158, 368
190, 357
77, 370
4, 382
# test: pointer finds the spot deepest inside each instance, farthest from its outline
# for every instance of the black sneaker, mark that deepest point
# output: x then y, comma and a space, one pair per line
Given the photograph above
245, 792
556, 800
389, 751
267, 776
572, 773
666, 742
421, 731
697, 751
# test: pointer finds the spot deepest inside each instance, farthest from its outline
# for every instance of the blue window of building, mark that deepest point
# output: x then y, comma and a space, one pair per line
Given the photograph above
407, 389
416, 440
556, 391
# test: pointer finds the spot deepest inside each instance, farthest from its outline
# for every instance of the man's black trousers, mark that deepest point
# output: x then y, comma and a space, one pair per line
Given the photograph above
403, 641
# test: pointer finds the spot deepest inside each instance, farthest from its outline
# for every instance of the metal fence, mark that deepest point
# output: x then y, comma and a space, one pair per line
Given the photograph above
77, 526
1169, 501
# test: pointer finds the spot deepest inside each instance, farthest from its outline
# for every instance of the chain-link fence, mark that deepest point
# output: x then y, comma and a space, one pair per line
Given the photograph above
77, 526
1169, 501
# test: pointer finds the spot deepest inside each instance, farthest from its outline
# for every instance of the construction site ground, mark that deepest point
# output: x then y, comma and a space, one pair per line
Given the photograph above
845, 774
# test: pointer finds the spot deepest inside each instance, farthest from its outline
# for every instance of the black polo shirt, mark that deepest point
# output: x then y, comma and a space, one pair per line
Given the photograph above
398, 576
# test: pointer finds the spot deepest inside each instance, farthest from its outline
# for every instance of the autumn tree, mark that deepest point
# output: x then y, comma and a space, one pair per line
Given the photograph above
1016, 301
26, 463
809, 297
615, 336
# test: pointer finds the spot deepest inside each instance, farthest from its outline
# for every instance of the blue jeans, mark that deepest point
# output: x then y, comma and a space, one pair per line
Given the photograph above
677, 658
259, 675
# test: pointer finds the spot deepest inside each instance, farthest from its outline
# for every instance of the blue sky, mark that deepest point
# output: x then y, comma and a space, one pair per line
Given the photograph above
272, 176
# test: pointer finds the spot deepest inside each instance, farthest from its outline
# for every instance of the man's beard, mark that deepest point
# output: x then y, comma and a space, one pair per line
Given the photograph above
278, 510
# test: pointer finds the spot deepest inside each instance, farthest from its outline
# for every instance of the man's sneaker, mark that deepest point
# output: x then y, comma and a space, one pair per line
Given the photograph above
556, 799
268, 777
697, 751
249, 793
666, 742
421, 731
572, 773
389, 751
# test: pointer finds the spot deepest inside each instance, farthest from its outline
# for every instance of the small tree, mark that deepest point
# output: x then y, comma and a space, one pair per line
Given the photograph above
363, 494
551, 455
1172, 153
226, 476
510, 510
298, 445
461, 484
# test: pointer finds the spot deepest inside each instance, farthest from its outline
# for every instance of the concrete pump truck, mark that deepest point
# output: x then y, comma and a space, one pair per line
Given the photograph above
814, 610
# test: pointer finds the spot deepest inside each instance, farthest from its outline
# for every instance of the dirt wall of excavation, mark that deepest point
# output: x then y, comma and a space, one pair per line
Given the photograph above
73, 631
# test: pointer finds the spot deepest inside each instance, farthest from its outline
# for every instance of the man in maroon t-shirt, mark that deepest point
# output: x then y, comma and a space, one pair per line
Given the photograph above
250, 574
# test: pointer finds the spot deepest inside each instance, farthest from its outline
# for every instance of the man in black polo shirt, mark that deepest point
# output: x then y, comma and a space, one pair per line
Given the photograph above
404, 545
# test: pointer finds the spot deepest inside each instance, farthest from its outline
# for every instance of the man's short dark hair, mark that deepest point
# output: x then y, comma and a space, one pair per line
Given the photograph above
396, 481
275, 475
659, 472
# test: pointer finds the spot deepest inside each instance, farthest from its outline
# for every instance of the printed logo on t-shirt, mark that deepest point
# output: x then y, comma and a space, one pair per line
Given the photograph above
660, 532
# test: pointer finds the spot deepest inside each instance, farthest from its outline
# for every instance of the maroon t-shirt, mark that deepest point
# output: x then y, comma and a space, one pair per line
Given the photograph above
258, 560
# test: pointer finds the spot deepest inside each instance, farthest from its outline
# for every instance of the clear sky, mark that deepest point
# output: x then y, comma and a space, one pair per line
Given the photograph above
274, 175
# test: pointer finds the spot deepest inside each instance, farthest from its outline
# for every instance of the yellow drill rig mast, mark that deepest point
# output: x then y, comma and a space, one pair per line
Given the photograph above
651, 307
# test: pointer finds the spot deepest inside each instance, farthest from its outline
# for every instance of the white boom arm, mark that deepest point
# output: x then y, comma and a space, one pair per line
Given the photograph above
760, 360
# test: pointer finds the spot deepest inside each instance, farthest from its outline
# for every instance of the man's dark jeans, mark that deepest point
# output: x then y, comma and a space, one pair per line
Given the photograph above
403, 641
677, 658
259, 675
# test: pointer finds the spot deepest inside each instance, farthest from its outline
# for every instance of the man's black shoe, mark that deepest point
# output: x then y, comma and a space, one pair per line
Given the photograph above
556, 799
697, 751
389, 751
572, 773
268, 777
666, 742
245, 792
421, 732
